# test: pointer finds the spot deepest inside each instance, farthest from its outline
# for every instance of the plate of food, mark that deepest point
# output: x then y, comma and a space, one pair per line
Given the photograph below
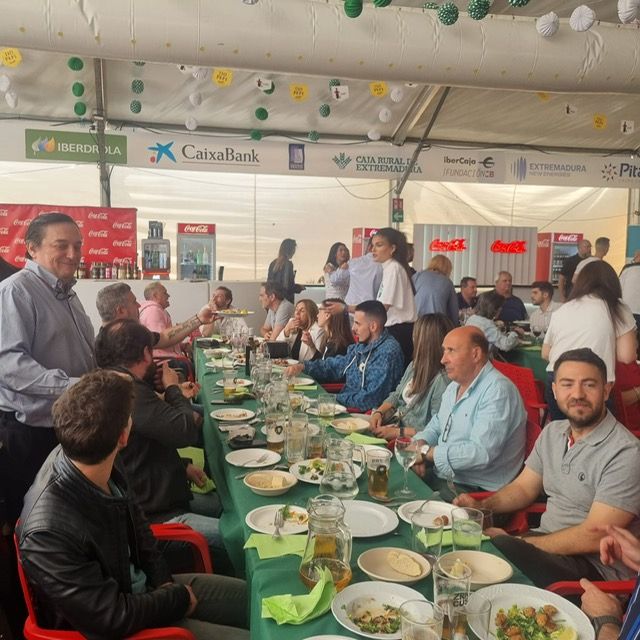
312, 429
313, 411
302, 381
232, 415
239, 382
251, 458
441, 509
283, 362
538, 614
312, 470
486, 568
372, 609
390, 564
234, 313
262, 519
270, 483
352, 424
218, 352
368, 519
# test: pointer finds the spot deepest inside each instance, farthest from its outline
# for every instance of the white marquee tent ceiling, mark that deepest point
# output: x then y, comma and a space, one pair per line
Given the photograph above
488, 116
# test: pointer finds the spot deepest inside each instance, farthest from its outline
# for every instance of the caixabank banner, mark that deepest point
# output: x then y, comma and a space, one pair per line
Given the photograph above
109, 234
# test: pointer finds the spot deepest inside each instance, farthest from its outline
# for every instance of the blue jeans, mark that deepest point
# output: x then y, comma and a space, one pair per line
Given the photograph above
203, 518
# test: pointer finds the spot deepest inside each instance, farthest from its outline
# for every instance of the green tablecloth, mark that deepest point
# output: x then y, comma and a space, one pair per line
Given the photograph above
529, 357
280, 575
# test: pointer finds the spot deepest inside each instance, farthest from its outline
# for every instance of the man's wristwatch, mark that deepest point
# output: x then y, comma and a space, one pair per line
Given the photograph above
424, 449
599, 622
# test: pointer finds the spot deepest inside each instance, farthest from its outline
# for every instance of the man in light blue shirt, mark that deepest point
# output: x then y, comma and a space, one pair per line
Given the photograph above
477, 438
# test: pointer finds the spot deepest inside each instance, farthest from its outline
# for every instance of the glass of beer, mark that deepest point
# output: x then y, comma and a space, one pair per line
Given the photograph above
378, 463
421, 620
229, 378
315, 442
275, 427
326, 408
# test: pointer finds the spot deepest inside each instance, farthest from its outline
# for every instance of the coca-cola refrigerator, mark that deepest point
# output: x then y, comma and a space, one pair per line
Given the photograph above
156, 253
553, 249
360, 239
478, 251
196, 251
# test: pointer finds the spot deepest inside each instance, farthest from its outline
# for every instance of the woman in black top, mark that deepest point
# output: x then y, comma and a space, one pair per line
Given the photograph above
281, 269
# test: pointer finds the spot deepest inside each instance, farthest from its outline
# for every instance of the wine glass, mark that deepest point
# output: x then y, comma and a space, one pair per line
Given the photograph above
406, 451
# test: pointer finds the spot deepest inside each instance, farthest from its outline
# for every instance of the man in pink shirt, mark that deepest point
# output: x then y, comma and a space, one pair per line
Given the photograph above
154, 316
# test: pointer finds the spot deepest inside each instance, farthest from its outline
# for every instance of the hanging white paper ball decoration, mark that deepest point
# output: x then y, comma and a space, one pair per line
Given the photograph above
5, 83
12, 98
628, 10
582, 18
384, 115
373, 134
200, 73
191, 123
548, 24
396, 95
195, 99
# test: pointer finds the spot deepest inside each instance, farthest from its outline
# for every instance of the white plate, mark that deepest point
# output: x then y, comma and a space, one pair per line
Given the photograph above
283, 362
234, 313
301, 381
239, 382
352, 424
313, 429
307, 477
486, 568
434, 506
232, 415
261, 520
329, 637
367, 593
503, 596
368, 519
247, 458
314, 410
375, 564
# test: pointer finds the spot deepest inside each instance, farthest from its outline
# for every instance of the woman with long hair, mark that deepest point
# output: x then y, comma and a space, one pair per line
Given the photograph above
305, 337
417, 396
337, 331
396, 290
281, 269
487, 310
336, 271
594, 317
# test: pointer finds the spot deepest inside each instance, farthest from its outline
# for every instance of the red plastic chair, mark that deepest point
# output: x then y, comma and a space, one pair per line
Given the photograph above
620, 411
528, 387
617, 587
171, 531
333, 387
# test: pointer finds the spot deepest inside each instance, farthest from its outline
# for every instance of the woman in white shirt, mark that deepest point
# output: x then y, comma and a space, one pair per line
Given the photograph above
302, 332
594, 317
396, 290
487, 310
336, 271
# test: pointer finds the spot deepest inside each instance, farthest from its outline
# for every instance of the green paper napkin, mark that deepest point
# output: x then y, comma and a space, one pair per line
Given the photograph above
288, 609
196, 455
360, 438
305, 387
269, 547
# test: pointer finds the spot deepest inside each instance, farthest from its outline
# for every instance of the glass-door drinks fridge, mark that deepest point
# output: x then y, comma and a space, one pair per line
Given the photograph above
196, 251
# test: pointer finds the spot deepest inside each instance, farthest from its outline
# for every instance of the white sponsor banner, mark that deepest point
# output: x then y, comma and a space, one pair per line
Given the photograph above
370, 160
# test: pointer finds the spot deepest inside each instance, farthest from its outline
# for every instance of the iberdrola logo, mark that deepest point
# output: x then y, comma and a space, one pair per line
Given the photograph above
44, 144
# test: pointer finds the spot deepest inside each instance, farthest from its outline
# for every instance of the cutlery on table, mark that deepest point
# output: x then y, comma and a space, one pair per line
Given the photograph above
262, 458
278, 522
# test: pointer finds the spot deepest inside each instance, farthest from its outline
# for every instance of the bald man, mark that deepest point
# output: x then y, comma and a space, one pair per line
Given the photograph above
477, 438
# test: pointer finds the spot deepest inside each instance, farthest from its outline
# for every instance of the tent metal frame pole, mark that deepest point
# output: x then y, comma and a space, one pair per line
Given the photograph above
415, 112
99, 121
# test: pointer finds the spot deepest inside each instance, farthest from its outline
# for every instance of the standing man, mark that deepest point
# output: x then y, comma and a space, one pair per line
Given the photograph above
542, 297
46, 344
221, 301
602, 248
279, 311
630, 283
513, 307
468, 296
565, 279
365, 276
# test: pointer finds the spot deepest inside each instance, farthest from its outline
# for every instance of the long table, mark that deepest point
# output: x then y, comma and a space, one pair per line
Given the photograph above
280, 575
529, 356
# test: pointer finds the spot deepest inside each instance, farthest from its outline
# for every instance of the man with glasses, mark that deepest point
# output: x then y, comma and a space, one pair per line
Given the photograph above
476, 440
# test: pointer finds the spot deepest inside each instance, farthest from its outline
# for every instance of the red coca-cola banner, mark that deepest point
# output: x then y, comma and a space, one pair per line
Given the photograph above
197, 228
515, 246
457, 244
109, 234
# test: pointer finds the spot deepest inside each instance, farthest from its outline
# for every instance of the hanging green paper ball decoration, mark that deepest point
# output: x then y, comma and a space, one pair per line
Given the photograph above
353, 8
314, 136
261, 113
77, 88
381, 3
431, 5
135, 106
139, 63
80, 108
137, 86
518, 3
270, 91
256, 135
334, 83
478, 9
325, 110
448, 14
75, 64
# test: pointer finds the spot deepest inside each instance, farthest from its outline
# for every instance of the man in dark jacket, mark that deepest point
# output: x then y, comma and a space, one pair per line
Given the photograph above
86, 548
158, 477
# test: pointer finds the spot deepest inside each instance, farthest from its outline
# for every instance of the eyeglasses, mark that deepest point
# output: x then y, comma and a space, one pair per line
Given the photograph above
447, 427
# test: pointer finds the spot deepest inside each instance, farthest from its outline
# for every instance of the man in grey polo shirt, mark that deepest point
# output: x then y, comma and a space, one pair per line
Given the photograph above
279, 311
588, 466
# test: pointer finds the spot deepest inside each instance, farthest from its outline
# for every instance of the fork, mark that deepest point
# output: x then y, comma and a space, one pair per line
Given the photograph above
278, 522
262, 458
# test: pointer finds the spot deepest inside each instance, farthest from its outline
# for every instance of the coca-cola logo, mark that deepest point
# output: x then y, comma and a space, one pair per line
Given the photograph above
544, 244
457, 244
20, 259
122, 243
4, 213
98, 234
22, 223
19, 241
4, 231
97, 216
122, 225
4, 249
98, 252
515, 246
567, 237
196, 228
80, 224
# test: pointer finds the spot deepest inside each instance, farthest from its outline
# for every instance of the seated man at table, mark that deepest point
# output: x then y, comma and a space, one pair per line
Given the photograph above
86, 547
158, 477
542, 297
513, 307
279, 310
223, 325
589, 467
371, 369
477, 438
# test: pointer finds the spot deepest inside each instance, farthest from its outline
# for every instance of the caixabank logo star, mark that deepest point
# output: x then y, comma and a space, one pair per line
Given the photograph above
609, 172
